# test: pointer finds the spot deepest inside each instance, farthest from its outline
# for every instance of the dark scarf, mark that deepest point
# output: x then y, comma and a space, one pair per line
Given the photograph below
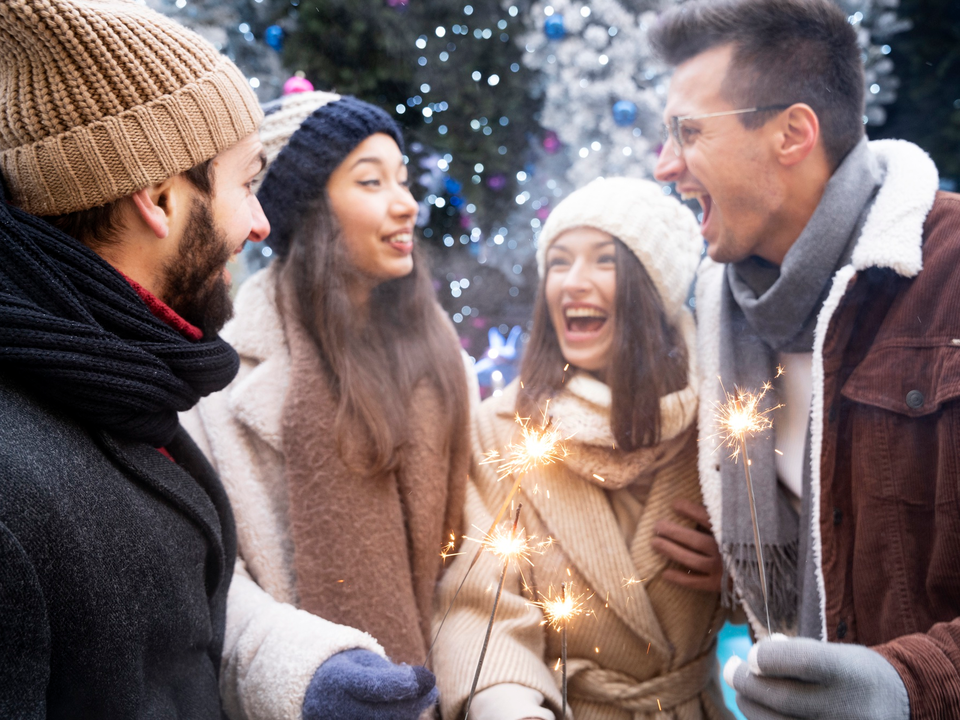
766, 310
75, 332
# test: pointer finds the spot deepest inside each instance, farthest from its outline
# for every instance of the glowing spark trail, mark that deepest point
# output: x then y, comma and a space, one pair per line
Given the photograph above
493, 615
538, 446
557, 613
739, 418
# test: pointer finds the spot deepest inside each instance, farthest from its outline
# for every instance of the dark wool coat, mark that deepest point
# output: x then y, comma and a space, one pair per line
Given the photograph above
884, 532
114, 568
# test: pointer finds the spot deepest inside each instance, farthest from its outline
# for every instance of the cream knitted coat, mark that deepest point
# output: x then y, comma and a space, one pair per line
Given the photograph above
645, 649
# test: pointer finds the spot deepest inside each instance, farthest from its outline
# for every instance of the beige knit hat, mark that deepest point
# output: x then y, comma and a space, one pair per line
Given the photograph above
660, 231
102, 98
282, 118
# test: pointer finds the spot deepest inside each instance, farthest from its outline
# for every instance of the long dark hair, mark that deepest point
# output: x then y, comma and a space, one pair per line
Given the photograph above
376, 360
648, 358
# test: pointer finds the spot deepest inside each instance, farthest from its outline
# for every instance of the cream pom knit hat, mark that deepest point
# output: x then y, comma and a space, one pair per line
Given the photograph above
660, 231
102, 98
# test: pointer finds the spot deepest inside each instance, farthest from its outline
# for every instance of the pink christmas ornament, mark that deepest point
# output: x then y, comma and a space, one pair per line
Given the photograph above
551, 143
543, 213
297, 84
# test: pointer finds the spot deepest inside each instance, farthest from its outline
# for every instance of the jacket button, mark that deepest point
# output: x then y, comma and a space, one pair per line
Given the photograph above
841, 630
915, 399
837, 516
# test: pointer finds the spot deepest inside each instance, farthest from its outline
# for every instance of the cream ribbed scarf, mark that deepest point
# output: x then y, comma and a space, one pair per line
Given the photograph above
582, 412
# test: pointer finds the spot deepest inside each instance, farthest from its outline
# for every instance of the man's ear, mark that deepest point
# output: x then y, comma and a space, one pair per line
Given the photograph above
799, 132
155, 206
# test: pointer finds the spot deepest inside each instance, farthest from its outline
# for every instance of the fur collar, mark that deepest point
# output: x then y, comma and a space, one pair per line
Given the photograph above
257, 333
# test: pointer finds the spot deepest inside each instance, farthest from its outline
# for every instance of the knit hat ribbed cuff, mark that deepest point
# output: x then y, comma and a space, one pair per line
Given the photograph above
660, 231
94, 164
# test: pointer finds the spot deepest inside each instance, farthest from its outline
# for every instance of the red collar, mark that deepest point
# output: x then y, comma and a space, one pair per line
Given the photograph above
165, 313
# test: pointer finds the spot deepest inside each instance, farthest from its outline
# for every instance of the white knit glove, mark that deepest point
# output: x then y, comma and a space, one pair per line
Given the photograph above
803, 678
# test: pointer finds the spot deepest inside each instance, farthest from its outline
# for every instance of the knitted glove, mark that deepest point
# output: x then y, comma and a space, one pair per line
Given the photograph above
360, 685
803, 678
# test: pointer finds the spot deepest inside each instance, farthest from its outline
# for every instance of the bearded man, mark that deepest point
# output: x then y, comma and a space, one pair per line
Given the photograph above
127, 149
838, 261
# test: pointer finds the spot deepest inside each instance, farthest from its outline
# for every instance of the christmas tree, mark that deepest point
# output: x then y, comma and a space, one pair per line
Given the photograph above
604, 92
927, 109
452, 74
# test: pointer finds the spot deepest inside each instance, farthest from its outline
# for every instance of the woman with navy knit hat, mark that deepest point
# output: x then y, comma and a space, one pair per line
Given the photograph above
343, 440
611, 363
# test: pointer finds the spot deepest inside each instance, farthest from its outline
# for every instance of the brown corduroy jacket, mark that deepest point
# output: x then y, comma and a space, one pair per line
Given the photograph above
885, 430
890, 467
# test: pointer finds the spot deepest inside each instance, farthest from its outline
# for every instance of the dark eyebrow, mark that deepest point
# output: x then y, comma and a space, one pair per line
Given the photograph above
375, 160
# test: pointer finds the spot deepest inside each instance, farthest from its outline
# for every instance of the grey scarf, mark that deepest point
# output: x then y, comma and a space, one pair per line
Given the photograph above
766, 310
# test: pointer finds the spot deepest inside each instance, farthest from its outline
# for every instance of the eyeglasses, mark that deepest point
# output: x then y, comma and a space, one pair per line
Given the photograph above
676, 124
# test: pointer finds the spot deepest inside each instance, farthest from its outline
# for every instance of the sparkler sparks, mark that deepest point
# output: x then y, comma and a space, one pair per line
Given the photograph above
739, 418
537, 446
558, 611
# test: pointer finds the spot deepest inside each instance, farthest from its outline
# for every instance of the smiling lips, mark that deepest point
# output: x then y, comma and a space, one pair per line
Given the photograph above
402, 241
583, 320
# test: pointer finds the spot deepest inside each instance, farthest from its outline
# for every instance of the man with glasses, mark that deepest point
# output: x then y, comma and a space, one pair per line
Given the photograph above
834, 272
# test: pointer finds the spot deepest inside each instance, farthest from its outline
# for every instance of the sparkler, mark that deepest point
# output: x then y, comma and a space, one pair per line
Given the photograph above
508, 549
537, 447
557, 613
738, 418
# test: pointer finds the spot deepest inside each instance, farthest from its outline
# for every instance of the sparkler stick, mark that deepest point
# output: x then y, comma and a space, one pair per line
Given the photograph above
563, 654
536, 448
739, 418
557, 613
493, 615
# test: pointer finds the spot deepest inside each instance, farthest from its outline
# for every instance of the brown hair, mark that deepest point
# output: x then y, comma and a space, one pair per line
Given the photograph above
375, 364
98, 227
648, 359
784, 52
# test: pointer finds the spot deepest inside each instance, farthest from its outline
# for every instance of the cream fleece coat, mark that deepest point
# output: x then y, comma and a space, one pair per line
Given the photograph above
272, 648
643, 640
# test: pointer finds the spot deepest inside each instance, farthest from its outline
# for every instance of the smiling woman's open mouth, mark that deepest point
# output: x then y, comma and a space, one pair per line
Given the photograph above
584, 319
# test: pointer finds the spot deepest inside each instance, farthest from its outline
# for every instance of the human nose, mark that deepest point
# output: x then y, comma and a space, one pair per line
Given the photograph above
669, 165
576, 281
260, 226
404, 204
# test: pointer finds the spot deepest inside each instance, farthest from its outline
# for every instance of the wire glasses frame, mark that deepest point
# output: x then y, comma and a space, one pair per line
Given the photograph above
676, 121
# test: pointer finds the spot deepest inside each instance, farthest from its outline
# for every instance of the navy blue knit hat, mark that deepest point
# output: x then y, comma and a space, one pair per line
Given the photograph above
302, 168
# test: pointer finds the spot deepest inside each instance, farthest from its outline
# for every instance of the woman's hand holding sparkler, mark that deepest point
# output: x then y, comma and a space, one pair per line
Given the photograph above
693, 548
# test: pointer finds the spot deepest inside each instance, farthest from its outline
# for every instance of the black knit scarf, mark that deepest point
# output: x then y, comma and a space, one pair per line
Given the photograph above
75, 332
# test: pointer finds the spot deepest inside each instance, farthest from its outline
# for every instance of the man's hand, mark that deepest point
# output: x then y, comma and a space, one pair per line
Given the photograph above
803, 678
695, 549
361, 685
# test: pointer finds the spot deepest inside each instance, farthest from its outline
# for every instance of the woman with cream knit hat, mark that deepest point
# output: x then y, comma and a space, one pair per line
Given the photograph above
343, 441
610, 360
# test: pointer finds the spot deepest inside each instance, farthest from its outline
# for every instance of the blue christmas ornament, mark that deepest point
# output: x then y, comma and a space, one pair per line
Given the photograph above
553, 27
624, 113
452, 186
273, 36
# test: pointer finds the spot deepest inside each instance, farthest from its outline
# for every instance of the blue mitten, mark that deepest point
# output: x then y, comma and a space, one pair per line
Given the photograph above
361, 685
803, 678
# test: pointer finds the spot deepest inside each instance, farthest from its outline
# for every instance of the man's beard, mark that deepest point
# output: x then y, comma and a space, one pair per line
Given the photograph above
194, 286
